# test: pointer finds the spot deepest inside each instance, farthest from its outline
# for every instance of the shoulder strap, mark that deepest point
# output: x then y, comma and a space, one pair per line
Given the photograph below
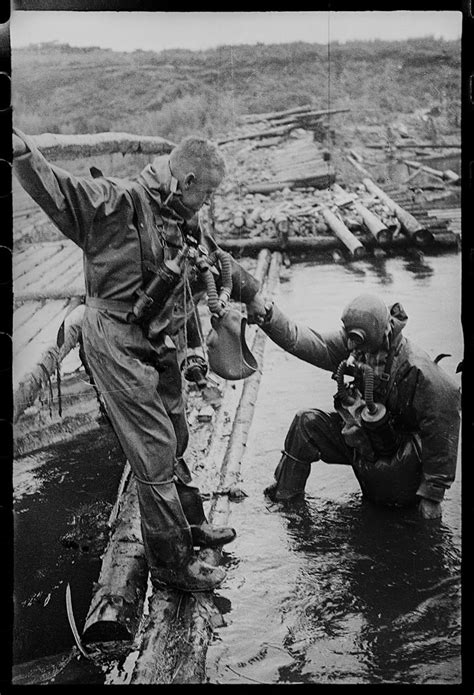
387, 378
146, 250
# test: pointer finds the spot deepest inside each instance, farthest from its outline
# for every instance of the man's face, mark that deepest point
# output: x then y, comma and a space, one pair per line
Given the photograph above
198, 190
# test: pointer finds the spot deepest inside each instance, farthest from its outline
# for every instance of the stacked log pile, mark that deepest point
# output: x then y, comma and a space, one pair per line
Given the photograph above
238, 213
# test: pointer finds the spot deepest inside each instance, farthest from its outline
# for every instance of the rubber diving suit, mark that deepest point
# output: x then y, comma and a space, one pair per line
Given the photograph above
125, 231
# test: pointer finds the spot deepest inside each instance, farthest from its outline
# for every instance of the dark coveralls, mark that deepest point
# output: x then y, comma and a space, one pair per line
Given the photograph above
135, 369
422, 399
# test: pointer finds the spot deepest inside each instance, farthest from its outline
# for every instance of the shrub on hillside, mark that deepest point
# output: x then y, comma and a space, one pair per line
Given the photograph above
206, 114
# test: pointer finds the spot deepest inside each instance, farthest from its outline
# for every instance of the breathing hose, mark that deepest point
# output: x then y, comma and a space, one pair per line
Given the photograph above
217, 301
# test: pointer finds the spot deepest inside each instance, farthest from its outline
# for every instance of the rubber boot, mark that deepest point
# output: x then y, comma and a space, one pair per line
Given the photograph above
195, 576
168, 542
204, 535
179, 567
291, 475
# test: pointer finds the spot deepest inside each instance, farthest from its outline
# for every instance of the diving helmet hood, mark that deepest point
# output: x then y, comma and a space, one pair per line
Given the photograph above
365, 319
228, 354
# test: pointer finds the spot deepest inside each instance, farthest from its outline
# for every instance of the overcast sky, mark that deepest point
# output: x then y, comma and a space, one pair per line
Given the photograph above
127, 31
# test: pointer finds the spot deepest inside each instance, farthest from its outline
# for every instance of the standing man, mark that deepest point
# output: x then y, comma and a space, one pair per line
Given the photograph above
396, 412
137, 235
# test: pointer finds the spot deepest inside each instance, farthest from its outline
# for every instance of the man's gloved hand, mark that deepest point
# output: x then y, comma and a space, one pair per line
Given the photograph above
194, 369
258, 309
429, 509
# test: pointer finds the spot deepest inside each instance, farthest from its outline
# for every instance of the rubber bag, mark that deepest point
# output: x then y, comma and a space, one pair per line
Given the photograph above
227, 352
392, 481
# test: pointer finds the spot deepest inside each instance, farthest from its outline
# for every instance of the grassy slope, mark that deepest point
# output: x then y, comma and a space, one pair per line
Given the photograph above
63, 89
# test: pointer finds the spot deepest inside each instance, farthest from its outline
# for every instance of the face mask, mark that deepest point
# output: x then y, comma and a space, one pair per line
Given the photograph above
365, 320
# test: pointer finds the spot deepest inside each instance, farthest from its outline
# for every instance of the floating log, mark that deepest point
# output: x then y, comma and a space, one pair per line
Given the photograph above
337, 226
117, 603
312, 244
320, 180
59, 146
373, 223
410, 224
192, 666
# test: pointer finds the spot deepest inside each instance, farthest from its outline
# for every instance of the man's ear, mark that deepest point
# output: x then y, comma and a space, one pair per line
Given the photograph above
189, 179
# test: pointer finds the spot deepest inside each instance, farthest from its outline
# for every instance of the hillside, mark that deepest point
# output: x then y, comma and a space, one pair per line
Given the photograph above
58, 88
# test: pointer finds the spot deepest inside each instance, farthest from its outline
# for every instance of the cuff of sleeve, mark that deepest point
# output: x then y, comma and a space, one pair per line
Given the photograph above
431, 491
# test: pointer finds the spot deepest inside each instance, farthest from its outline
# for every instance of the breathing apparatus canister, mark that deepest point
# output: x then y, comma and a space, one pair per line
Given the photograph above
158, 290
374, 417
377, 423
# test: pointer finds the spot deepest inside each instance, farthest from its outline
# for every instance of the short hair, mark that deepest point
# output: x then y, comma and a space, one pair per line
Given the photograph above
193, 153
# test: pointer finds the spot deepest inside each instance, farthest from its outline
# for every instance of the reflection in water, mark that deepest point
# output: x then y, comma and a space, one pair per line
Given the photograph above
415, 263
378, 579
378, 266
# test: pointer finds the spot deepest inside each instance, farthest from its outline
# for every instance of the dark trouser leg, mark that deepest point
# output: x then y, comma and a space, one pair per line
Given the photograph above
171, 394
122, 362
128, 383
313, 435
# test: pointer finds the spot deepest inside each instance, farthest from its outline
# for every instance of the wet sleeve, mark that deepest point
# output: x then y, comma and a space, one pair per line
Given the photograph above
72, 202
438, 406
244, 285
323, 350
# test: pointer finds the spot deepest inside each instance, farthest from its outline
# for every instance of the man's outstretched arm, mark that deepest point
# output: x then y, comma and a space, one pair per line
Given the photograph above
72, 202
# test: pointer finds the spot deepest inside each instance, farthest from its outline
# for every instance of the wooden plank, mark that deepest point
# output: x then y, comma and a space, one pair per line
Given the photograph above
72, 281
26, 261
52, 281
25, 312
52, 266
